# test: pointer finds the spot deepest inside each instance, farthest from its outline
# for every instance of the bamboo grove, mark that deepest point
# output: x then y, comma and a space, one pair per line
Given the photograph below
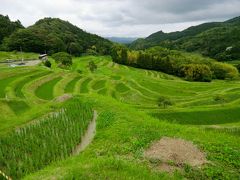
53, 138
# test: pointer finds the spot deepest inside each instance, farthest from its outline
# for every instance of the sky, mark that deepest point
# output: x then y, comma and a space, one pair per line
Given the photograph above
123, 18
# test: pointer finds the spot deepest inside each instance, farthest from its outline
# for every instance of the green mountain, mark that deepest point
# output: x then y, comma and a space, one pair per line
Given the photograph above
53, 35
7, 27
122, 40
219, 40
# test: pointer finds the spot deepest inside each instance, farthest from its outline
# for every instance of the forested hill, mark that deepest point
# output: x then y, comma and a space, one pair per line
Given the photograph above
7, 27
209, 39
53, 35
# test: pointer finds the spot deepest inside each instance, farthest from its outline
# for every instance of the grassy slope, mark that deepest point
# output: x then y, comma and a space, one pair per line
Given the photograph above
123, 131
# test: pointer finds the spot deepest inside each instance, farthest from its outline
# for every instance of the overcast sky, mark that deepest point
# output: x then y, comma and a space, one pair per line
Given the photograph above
123, 18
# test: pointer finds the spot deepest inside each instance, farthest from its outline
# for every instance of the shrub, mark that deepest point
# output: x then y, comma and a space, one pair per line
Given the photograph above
92, 66
79, 71
196, 72
220, 98
224, 71
47, 63
164, 102
238, 67
63, 58
91, 52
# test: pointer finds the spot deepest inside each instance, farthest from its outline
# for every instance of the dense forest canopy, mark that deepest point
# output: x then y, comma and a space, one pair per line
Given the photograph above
51, 35
7, 27
219, 40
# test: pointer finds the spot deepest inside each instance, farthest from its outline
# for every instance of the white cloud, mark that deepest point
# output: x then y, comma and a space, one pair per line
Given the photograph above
123, 17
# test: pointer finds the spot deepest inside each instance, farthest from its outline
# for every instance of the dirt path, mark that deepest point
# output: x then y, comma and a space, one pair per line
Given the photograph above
88, 136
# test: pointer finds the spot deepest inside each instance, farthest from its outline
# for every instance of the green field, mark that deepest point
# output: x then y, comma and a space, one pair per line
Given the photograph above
129, 120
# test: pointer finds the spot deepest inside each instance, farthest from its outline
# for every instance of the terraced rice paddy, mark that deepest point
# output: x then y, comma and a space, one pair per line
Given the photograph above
45, 91
130, 117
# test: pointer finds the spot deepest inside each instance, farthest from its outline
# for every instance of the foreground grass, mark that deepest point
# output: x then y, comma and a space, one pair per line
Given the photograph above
52, 138
123, 134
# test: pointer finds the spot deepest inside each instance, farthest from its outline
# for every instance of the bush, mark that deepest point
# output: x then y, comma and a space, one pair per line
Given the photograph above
196, 72
92, 66
164, 102
224, 71
63, 58
238, 67
91, 52
47, 63
220, 99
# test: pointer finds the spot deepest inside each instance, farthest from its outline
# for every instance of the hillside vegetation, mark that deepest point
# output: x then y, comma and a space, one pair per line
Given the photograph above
7, 27
192, 67
219, 40
51, 35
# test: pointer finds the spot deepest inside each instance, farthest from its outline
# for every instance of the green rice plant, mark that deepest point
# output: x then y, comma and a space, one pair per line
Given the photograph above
208, 117
99, 84
121, 88
19, 86
5, 82
45, 91
84, 85
18, 107
71, 85
103, 91
53, 138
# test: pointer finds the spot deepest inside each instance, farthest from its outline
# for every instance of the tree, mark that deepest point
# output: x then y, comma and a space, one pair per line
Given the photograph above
75, 49
224, 71
63, 58
92, 66
196, 72
7, 27
55, 35
238, 67
164, 102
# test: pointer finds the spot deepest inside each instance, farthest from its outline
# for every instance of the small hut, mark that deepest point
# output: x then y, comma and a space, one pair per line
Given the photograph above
43, 57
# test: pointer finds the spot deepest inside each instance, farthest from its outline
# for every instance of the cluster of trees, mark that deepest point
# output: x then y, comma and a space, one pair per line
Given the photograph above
52, 35
7, 27
62, 58
218, 40
189, 66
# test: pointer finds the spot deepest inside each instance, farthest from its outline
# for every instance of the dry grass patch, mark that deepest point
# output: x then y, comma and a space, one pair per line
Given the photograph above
174, 153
